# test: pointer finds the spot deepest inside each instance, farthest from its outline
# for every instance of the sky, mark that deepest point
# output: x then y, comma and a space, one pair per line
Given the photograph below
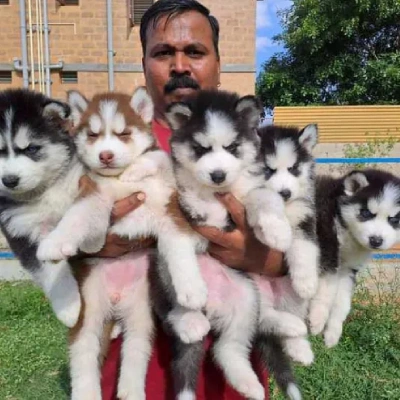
267, 26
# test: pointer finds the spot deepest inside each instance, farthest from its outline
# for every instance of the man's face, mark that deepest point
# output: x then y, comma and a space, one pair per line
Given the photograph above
180, 58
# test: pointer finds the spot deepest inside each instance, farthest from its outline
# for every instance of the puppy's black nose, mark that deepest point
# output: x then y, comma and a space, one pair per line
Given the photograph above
10, 181
375, 241
218, 176
286, 193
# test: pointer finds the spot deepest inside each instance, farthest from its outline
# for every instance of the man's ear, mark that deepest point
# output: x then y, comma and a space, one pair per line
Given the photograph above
250, 108
308, 136
178, 114
142, 104
355, 181
78, 103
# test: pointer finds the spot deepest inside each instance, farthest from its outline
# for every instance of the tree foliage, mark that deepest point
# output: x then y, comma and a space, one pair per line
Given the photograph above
336, 52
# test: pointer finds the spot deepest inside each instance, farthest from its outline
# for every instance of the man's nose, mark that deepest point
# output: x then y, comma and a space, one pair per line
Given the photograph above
180, 64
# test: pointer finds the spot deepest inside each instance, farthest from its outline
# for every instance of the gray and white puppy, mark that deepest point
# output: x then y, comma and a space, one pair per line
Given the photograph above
39, 175
357, 214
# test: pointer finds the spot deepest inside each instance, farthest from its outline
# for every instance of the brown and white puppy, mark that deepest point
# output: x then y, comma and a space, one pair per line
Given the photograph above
114, 141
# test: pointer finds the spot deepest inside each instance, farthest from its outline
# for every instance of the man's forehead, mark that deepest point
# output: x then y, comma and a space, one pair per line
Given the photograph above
184, 28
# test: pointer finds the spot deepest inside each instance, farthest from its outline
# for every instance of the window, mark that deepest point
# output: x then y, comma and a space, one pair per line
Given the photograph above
68, 2
5, 77
4, 2
69, 77
138, 8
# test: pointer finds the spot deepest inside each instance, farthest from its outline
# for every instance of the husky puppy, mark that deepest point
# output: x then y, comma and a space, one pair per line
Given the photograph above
289, 171
39, 174
115, 143
215, 148
357, 214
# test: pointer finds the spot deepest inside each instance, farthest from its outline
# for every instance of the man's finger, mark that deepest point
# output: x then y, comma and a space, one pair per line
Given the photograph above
126, 205
235, 209
211, 233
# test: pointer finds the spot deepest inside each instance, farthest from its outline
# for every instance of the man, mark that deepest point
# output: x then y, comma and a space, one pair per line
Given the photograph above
180, 55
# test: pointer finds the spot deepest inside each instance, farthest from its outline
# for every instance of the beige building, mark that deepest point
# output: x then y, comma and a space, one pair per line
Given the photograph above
78, 44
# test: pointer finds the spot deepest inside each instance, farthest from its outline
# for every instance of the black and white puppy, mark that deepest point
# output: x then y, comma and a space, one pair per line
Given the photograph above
39, 174
357, 214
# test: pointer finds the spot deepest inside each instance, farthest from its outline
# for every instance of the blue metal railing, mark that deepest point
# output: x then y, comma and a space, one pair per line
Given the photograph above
337, 160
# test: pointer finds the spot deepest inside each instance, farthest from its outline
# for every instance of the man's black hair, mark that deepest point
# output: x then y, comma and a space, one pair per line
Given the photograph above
171, 8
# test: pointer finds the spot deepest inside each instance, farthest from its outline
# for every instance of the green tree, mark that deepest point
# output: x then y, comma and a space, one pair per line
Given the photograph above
336, 52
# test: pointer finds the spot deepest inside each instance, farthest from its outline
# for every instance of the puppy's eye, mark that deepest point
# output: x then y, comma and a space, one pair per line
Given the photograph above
3, 152
92, 134
200, 150
394, 221
268, 171
366, 214
232, 148
32, 149
125, 133
295, 169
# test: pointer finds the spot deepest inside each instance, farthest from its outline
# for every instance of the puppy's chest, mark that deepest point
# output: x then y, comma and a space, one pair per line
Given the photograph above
36, 220
351, 254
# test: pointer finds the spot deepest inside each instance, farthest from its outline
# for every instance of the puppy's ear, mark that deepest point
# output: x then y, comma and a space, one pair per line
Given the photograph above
78, 103
308, 136
142, 104
56, 109
250, 109
355, 181
178, 114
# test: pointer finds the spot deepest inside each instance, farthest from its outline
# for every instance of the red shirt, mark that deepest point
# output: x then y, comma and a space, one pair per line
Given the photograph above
211, 386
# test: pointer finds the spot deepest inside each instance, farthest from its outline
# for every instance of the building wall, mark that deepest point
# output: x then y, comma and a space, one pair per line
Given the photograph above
78, 37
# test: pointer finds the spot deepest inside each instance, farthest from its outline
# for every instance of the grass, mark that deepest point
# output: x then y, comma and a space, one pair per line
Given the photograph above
365, 365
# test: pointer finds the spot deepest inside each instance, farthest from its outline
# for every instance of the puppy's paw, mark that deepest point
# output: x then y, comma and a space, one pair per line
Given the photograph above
250, 388
93, 246
137, 172
318, 317
191, 326
67, 310
332, 335
127, 391
305, 285
53, 248
299, 350
274, 231
192, 294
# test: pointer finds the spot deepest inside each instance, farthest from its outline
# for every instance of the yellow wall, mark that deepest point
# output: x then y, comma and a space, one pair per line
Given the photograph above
344, 124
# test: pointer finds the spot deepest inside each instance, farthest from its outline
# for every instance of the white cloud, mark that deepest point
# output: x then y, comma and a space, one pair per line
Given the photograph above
266, 10
263, 41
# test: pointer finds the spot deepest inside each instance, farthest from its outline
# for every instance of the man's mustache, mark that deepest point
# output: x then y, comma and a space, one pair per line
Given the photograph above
180, 82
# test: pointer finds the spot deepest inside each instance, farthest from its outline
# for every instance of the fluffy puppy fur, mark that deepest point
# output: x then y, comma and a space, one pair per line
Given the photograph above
357, 214
39, 174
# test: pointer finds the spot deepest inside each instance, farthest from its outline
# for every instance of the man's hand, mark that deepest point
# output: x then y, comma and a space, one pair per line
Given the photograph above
116, 246
240, 249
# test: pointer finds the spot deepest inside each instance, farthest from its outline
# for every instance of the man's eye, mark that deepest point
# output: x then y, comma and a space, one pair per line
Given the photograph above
163, 53
232, 148
195, 53
32, 149
366, 214
200, 150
